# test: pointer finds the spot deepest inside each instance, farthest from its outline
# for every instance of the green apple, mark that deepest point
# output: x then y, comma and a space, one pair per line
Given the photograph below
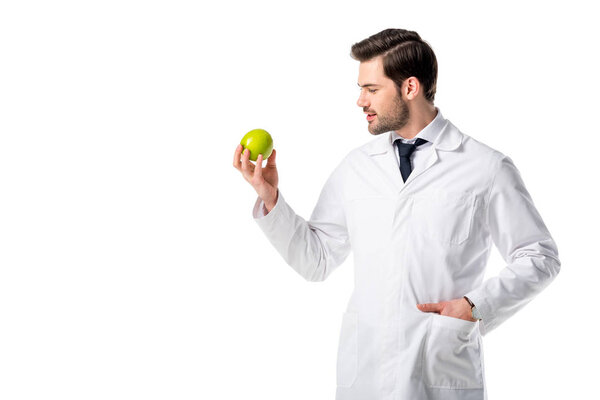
258, 141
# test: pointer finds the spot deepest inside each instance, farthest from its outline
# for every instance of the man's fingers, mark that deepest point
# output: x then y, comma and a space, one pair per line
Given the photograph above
237, 162
258, 168
246, 164
244, 161
430, 307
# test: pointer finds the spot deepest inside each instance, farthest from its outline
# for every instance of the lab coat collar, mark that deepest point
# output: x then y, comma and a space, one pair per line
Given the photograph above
445, 135
429, 133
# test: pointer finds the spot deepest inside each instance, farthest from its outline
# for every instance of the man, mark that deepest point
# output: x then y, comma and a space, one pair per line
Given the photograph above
419, 205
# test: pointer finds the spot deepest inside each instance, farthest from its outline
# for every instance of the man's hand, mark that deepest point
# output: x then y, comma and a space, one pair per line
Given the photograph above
263, 180
457, 308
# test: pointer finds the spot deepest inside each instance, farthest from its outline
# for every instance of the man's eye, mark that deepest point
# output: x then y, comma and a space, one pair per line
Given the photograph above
372, 90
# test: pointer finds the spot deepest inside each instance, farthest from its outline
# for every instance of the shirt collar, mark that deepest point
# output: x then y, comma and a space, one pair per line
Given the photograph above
429, 133
444, 135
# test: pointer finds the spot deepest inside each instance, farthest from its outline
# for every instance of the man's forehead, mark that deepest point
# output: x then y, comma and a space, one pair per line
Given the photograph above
370, 73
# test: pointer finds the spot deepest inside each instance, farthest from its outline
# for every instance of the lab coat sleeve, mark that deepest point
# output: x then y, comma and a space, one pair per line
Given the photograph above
525, 244
313, 248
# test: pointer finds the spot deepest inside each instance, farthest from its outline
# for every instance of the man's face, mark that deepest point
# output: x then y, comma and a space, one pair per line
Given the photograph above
379, 98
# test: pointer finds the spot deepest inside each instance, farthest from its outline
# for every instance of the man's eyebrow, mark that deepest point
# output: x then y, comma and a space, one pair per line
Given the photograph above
368, 84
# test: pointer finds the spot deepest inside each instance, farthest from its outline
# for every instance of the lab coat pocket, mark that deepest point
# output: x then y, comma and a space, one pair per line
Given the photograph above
452, 354
444, 216
347, 357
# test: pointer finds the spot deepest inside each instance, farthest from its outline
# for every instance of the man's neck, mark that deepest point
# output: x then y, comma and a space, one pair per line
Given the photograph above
419, 119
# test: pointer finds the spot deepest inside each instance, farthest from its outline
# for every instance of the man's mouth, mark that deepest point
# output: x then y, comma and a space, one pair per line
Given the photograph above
371, 117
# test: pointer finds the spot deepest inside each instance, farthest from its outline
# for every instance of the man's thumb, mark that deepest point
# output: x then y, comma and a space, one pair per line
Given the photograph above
430, 307
271, 159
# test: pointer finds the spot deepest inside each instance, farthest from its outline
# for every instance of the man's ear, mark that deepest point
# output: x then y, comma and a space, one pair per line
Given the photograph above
411, 87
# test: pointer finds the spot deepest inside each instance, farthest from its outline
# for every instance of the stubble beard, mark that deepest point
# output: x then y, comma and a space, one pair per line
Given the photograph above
396, 120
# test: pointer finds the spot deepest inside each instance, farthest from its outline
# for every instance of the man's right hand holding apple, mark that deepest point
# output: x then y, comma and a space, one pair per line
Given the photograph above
263, 180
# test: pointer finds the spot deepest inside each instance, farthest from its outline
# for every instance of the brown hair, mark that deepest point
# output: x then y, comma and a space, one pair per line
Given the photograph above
405, 54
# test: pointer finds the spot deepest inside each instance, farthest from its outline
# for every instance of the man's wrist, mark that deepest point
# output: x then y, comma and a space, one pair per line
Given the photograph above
469, 301
474, 311
269, 204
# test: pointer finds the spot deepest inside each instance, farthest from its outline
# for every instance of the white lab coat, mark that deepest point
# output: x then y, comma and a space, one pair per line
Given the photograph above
423, 241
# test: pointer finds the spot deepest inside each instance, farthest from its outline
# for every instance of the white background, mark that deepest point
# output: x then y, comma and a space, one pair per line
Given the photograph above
130, 265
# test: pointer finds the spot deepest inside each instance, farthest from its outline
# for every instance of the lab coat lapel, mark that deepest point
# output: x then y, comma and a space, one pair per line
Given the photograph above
449, 139
382, 153
432, 159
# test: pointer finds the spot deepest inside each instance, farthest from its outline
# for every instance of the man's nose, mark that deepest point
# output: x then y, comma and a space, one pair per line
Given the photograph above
362, 101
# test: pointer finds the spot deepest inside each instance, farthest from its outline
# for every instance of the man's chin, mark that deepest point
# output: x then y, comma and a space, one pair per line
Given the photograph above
374, 131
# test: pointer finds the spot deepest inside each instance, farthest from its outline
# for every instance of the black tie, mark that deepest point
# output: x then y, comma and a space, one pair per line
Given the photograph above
405, 150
